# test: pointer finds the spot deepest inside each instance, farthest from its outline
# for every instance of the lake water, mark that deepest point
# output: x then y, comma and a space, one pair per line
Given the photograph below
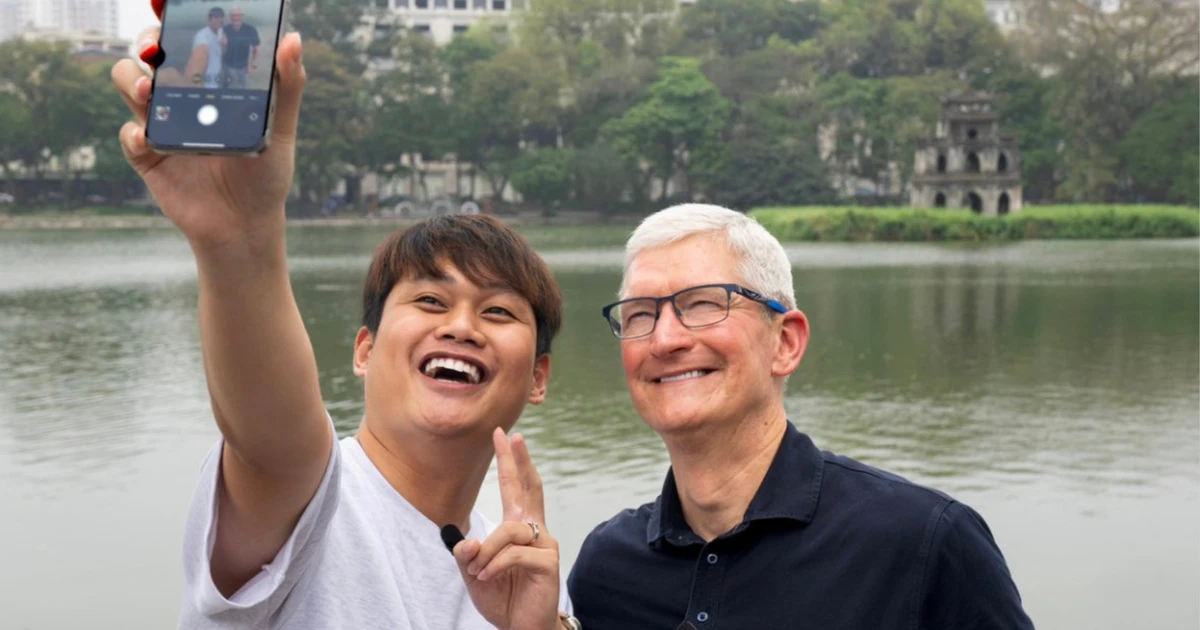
1053, 386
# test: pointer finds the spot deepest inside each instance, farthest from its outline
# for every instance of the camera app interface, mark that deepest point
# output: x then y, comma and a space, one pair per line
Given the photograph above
213, 87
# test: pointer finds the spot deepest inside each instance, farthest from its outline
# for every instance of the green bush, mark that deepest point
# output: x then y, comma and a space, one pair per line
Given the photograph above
818, 223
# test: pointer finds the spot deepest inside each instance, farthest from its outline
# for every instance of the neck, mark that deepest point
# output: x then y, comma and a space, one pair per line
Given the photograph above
439, 477
719, 470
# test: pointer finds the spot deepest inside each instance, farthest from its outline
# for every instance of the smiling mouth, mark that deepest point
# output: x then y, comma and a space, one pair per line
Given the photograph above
683, 377
453, 371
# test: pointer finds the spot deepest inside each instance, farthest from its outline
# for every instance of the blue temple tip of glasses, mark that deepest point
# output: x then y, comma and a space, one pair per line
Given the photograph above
777, 306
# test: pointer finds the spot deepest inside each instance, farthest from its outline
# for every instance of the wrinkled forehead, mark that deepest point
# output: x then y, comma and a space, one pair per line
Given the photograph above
663, 270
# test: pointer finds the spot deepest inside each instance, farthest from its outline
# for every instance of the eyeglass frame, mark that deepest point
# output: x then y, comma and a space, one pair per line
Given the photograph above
730, 288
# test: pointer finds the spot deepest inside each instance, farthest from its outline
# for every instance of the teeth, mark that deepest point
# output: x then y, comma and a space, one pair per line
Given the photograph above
683, 377
471, 371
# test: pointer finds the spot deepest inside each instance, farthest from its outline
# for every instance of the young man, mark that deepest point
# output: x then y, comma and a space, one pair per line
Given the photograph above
756, 527
212, 38
291, 528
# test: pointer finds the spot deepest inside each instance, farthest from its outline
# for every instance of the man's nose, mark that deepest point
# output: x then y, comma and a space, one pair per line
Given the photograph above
669, 334
460, 324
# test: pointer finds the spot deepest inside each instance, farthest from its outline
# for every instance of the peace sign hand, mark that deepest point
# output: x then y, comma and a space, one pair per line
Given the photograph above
512, 576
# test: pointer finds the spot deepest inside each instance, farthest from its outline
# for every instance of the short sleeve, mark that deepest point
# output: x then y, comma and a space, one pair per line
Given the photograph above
967, 584
256, 41
260, 598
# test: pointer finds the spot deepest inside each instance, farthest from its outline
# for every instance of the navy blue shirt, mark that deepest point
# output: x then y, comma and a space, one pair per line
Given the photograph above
827, 543
239, 41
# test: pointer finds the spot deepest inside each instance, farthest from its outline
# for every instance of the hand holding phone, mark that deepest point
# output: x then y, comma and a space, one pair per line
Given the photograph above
216, 200
205, 97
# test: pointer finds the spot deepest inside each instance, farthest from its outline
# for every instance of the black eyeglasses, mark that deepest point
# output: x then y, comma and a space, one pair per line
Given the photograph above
696, 307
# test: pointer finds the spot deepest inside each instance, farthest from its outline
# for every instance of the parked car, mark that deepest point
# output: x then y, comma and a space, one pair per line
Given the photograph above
6, 198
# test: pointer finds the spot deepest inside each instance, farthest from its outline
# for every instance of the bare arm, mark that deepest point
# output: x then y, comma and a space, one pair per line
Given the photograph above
262, 377
258, 360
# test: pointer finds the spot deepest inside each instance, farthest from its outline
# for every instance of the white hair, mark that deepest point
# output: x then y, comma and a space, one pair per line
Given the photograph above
763, 266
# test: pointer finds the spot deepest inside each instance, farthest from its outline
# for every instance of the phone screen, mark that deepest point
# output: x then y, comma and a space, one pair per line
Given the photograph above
212, 90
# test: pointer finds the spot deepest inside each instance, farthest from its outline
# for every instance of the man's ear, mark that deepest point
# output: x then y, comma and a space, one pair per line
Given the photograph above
363, 343
541, 377
793, 339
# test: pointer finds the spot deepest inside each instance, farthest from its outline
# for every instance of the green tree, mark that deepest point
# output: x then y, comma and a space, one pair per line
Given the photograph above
605, 94
17, 141
514, 98
1111, 64
458, 59
603, 177
543, 177
1161, 153
105, 116
329, 21
411, 113
332, 123
766, 171
957, 36
32, 73
1024, 103
677, 127
730, 28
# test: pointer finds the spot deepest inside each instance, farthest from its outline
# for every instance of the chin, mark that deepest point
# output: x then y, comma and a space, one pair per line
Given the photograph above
676, 420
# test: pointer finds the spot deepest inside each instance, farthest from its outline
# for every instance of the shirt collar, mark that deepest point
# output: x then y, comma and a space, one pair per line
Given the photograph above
789, 490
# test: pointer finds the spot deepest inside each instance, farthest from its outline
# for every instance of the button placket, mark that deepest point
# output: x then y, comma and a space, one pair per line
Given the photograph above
706, 589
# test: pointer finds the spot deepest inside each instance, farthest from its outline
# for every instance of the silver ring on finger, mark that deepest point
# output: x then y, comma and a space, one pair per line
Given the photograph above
537, 530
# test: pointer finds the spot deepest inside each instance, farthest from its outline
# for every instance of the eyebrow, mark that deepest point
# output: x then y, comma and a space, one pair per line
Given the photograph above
495, 285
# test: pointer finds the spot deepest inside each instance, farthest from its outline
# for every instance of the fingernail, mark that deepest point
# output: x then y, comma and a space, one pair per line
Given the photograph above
483, 577
472, 568
451, 536
151, 55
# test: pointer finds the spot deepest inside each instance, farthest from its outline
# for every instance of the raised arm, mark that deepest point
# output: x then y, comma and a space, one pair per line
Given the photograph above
258, 360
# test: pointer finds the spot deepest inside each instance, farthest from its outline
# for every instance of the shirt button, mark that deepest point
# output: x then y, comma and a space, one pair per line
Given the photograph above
702, 617
712, 558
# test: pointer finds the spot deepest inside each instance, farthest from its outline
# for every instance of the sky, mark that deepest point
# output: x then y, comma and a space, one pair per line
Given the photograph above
133, 16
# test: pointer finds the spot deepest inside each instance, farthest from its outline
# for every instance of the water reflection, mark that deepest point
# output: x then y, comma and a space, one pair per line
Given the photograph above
1062, 375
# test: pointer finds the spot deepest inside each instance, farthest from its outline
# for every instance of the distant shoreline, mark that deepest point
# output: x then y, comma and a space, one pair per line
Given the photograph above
68, 221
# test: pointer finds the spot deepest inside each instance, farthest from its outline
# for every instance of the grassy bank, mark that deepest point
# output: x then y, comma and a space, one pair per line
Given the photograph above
1033, 222
566, 231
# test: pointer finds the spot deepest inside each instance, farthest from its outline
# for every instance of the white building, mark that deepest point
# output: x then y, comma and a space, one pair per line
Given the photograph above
97, 16
1005, 14
81, 42
10, 18
442, 20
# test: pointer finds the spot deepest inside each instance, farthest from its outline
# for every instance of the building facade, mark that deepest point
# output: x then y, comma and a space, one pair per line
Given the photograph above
968, 164
1007, 15
92, 16
441, 20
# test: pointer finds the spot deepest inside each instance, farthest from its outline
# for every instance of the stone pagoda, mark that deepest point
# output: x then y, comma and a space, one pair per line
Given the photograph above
968, 164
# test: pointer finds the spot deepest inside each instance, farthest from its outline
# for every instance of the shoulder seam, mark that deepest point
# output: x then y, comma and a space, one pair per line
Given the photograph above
936, 516
903, 482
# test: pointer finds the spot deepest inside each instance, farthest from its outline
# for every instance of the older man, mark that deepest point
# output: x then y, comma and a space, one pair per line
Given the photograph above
241, 50
756, 527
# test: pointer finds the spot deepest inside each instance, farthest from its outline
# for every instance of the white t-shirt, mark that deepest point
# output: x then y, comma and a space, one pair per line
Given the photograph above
360, 558
212, 39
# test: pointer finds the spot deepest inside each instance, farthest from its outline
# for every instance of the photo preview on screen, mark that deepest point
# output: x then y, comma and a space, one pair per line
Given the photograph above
213, 86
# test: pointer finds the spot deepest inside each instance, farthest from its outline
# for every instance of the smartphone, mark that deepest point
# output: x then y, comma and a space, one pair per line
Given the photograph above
214, 91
